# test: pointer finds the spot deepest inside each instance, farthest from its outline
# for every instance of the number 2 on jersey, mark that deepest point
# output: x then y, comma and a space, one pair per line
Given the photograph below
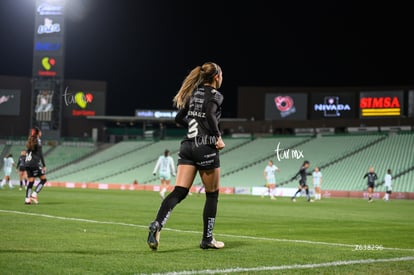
192, 129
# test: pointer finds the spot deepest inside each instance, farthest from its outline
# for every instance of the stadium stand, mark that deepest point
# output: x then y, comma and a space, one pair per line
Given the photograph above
144, 164
320, 151
63, 155
343, 158
394, 152
93, 166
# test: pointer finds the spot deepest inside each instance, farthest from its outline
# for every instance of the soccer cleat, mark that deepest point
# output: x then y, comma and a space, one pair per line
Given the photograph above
154, 235
34, 199
205, 244
293, 199
27, 201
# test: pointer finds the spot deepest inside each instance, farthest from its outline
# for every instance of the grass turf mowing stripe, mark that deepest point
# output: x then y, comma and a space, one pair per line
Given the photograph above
194, 232
285, 267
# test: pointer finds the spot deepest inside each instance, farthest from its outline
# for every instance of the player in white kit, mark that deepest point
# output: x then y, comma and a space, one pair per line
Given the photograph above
388, 185
165, 166
317, 182
8, 163
269, 175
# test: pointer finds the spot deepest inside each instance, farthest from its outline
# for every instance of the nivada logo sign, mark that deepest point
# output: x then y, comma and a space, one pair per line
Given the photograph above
387, 105
331, 107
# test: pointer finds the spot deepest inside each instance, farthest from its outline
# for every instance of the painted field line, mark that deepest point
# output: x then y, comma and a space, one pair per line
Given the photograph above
285, 267
195, 232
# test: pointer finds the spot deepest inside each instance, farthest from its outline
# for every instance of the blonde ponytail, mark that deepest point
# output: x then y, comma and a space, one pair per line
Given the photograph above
189, 84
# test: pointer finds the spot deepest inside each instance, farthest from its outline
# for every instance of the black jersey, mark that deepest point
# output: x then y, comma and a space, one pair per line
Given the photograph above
21, 162
34, 158
372, 177
202, 115
302, 173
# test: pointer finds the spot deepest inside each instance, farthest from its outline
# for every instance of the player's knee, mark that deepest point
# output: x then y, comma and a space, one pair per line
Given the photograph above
180, 193
212, 195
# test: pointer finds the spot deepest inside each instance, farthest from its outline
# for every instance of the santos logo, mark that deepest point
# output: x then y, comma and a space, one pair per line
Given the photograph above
331, 107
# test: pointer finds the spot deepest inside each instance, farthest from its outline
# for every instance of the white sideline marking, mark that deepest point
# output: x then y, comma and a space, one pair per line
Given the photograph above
284, 267
71, 219
194, 232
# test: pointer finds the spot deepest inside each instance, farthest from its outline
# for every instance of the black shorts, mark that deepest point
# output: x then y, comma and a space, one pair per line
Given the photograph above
371, 185
204, 157
34, 172
22, 169
303, 184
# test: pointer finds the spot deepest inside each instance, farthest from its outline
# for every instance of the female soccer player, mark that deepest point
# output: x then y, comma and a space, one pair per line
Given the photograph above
20, 166
7, 167
372, 177
199, 103
35, 165
269, 175
302, 182
388, 185
317, 182
166, 167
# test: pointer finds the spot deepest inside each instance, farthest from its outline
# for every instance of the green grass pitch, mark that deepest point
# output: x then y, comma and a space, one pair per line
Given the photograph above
84, 231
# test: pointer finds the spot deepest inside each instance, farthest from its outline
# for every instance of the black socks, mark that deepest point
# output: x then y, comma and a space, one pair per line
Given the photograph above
209, 214
176, 196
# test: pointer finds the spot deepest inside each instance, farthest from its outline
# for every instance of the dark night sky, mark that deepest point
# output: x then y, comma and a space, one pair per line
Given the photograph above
144, 49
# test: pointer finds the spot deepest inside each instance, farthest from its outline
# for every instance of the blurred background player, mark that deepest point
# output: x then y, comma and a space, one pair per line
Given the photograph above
35, 165
372, 177
302, 182
21, 169
269, 175
165, 166
317, 182
8, 163
388, 185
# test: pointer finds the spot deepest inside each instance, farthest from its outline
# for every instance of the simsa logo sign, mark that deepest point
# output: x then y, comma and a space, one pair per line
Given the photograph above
380, 104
